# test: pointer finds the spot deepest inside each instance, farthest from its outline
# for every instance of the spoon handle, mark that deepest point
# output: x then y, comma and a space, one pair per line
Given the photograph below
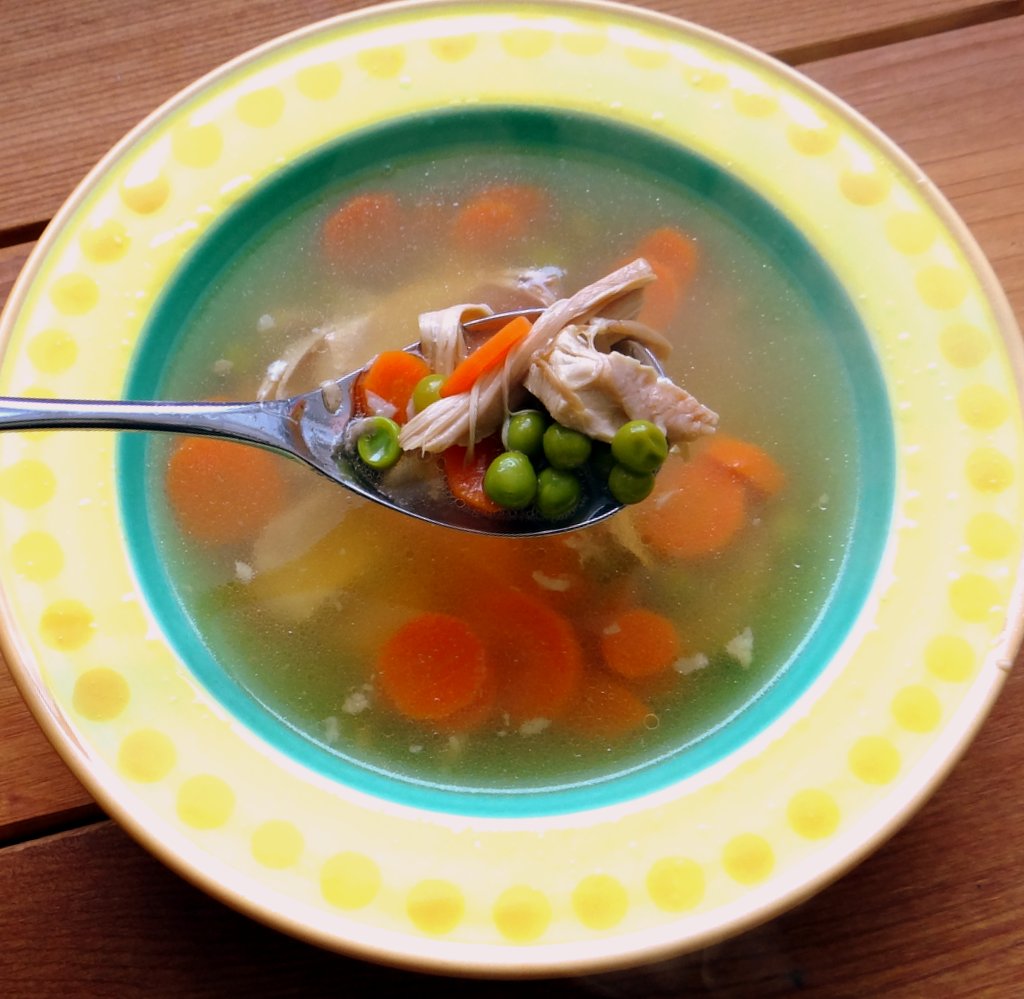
270, 424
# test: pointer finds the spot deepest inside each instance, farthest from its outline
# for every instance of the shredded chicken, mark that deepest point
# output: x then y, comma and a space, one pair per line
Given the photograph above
596, 390
449, 421
442, 340
311, 360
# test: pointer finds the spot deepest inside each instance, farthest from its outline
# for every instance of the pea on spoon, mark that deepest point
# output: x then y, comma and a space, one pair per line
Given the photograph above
310, 427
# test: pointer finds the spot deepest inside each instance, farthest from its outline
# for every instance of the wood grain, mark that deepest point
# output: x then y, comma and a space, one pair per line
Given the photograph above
935, 912
954, 103
93, 69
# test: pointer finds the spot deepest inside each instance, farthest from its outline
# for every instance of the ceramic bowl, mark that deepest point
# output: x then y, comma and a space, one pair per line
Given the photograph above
902, 668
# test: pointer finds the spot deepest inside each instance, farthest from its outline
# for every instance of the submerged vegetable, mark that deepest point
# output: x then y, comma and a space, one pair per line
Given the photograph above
377, 442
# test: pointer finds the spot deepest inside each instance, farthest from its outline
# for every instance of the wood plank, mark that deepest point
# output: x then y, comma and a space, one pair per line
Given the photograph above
935, 912
94, 69
953, 102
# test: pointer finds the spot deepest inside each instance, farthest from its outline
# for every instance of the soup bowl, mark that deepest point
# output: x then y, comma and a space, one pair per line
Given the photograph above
910, 356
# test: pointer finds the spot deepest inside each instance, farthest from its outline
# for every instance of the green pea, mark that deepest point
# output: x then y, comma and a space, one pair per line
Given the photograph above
524, 431
558, 493
628, 486
377, 443
428, 390
640, 446
511, 481
565, 448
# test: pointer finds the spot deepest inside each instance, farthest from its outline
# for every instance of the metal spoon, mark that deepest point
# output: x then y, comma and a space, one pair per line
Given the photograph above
310, 427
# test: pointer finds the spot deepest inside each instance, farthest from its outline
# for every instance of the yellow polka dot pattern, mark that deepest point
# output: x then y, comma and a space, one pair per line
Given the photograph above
106, 242
146, 756
941, 287
964, 345
874, 760
676, 884
75, 294
101, 694
205, 802
435, 906
319, 82
991, 536
29, 483
813, 814
66, 625
600, 901
917, 709
200, 144
261, 108
950, 658
350, 880
989, 470
197, 146
38, 556
522, 914
277, 844
748, 858
975, 597
52, 351
983, 407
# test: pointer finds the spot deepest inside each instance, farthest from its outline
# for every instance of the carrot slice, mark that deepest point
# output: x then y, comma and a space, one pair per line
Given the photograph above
433, 666
639, 643
390, 378
752, 464
220, 492
696, 509
536, 656
488, 356
465, 474
673, 250
661, 298
477, 713
365, 224
606, 709
496, 216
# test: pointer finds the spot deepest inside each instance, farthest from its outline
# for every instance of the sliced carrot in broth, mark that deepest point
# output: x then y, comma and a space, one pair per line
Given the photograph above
221, 492
432, 667
638, 643
534, 650
606, 708
751, 463
365, 224
674, 251
697, 509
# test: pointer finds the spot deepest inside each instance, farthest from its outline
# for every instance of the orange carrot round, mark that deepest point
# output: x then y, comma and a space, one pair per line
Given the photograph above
491, 219
391, 378
465, 474
221, 492
661, 298
433, 666
488, 356
639, 643
606, 709
696, 509
365, 224
752, 464
673, 250
537, 660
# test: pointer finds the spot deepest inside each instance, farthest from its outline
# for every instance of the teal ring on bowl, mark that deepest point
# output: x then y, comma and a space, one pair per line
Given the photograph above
532, 128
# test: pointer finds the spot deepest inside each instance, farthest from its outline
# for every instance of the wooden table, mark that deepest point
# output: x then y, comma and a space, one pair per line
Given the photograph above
938, 911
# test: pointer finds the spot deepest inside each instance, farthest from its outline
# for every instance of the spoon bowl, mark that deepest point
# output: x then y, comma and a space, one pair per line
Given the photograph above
311, 427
